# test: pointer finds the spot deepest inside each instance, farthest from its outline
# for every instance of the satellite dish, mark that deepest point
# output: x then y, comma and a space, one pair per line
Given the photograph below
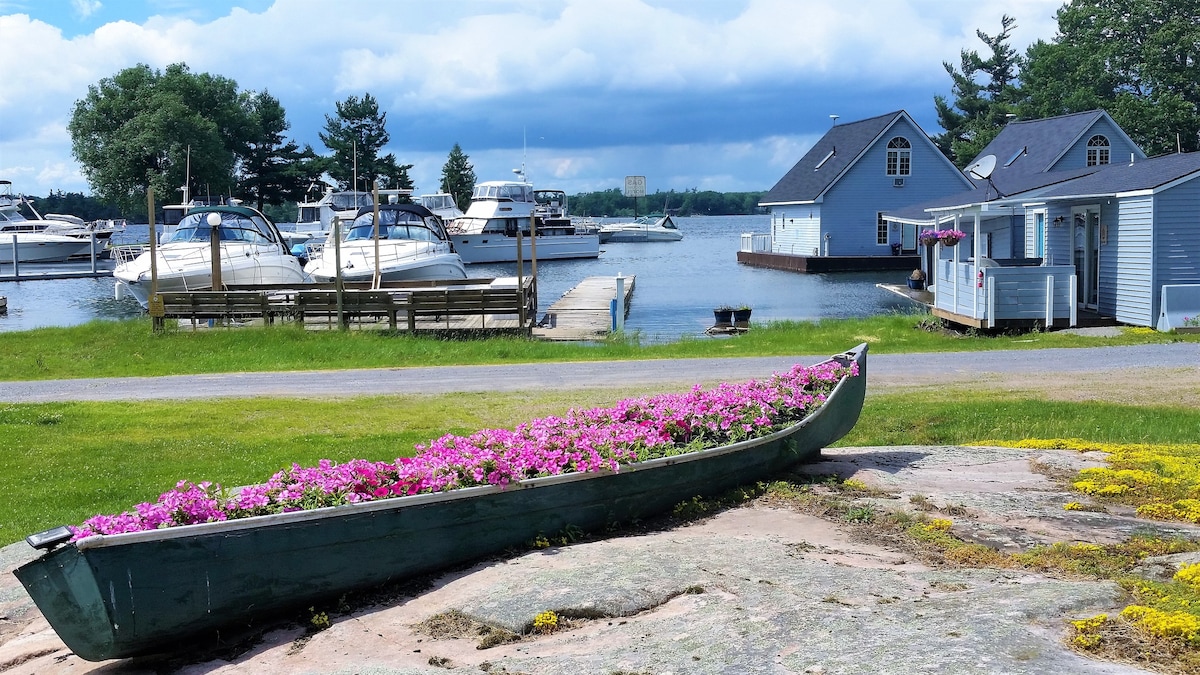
983, 168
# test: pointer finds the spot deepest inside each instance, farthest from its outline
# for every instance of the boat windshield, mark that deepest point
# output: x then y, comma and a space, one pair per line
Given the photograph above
504, 192
438, 201
394, 225
346, 201
194, 227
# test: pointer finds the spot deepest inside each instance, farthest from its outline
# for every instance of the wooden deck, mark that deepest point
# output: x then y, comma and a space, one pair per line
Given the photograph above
584, 312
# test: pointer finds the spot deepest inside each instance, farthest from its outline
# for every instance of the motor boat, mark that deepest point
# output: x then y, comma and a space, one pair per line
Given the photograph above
27, 240
500, 215
641, 229
410, 243
252, 252
443, 206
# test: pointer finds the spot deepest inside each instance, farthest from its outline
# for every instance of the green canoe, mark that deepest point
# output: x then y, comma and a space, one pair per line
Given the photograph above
114, 596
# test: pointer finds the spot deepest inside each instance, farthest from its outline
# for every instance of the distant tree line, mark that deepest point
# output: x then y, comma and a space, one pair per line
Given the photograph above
687, 203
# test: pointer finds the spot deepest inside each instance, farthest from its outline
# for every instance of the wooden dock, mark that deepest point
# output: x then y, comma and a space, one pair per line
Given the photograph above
584, 312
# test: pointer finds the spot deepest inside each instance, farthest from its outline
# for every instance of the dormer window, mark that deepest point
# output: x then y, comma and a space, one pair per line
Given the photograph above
1097, 150
899, 157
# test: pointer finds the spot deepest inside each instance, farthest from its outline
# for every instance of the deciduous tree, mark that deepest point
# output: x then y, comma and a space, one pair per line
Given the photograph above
1138, 59
136, 130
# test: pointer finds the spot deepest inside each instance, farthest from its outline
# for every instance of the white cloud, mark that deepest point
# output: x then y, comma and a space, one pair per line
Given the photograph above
85, 8
443, 69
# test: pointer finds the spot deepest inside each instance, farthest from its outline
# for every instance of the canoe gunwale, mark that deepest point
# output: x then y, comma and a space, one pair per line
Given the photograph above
392, 503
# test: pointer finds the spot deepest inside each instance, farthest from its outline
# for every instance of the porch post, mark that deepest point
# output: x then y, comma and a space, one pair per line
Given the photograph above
975, 248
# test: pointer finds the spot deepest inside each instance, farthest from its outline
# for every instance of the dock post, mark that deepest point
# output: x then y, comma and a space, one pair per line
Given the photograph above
620, 318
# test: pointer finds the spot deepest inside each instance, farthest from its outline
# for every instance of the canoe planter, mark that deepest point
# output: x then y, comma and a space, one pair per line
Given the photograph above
114, 596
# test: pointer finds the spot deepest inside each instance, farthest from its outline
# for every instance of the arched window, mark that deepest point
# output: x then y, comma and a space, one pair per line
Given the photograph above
899, 157
1098, 150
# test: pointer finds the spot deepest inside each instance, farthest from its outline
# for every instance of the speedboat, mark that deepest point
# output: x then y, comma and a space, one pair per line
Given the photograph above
411, 245
252, 252
501, 213
641, 229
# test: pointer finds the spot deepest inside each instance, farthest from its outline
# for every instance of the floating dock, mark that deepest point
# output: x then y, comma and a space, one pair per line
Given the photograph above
585, 311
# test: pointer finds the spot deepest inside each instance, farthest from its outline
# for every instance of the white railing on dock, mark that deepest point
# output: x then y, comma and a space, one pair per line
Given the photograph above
755, 243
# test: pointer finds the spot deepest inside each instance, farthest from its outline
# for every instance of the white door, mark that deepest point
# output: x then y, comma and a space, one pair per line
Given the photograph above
1085, 242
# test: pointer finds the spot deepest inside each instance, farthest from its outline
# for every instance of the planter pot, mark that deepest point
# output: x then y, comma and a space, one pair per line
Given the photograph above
1187, 329
949, 242
741, 316
916, 284
723, 317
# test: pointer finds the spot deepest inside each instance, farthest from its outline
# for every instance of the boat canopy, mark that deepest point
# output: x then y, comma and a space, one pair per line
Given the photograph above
397, 221
347, 201
237, 224
503, 192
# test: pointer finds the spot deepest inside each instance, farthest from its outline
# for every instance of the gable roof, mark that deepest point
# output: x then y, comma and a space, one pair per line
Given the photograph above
830, 158
1034, 146
1150, 175
1108, 180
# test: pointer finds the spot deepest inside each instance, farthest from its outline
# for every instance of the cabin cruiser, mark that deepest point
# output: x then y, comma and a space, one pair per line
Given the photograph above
443, 206
641, 229
409, 242
252, 252
25, 240
502, 210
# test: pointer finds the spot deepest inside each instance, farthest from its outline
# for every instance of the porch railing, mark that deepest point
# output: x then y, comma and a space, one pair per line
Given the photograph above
991, 293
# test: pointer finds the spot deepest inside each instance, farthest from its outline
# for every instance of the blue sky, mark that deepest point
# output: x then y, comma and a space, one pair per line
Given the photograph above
706, 94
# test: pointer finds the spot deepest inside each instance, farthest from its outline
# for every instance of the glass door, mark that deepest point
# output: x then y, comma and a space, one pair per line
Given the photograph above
1085, 242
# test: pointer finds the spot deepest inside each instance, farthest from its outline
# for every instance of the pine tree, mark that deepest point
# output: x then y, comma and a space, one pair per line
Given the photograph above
458, 177
979, 110
356, 135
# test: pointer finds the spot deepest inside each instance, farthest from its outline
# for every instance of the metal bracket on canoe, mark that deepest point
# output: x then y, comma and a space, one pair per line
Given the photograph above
48, 539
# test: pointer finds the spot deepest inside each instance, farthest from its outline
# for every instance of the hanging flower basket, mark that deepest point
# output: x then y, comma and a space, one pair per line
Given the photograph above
950, 237
928, 238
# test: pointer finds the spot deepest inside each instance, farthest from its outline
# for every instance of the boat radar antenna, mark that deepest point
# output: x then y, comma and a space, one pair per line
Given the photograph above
982, 169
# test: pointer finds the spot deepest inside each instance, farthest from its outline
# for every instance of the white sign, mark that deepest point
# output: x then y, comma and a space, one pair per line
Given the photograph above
635, 186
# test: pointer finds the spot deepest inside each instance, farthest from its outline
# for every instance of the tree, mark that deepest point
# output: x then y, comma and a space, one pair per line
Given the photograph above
356, 136
1138, 59
458, 177
142, 128
273, 169
980, 110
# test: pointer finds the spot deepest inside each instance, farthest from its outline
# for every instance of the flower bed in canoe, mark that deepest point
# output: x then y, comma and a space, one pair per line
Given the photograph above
598, 439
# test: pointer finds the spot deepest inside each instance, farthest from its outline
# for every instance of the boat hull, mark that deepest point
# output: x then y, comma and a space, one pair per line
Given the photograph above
191, 270
497, 247
41, 249
122, 595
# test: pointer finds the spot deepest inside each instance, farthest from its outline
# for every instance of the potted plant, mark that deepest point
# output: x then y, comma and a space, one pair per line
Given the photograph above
741, 315
950, 237
929, 237
916, 280
723, 315
896, 248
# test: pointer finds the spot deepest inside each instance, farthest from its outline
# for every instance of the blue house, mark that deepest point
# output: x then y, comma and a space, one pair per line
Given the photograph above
831, 203
1059, 225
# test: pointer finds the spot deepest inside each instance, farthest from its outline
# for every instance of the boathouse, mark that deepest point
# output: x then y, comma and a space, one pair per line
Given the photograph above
827, 211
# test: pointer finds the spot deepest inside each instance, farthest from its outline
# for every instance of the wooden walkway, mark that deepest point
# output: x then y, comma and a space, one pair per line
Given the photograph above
584, 312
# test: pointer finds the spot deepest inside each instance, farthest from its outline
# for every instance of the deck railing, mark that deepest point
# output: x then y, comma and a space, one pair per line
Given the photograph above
991, 293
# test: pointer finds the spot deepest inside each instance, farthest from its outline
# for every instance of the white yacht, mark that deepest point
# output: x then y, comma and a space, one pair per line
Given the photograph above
499, 210
25, 240
411, 245
252, 251
641, 229
443, 206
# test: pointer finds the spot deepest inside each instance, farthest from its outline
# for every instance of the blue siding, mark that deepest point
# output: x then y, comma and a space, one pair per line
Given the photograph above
1126, 276
1176, 238
1076, 156
850, 207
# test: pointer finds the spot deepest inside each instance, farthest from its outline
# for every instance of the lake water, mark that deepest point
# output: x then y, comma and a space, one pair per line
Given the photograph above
678, 284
